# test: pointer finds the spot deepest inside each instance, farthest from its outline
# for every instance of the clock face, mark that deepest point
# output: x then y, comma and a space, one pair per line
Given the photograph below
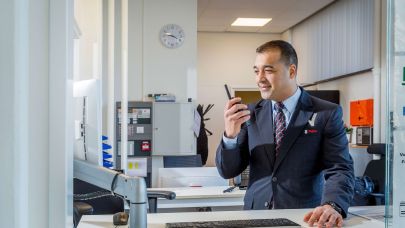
172, 36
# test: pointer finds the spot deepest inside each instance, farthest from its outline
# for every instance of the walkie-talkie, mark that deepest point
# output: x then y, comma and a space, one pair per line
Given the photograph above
237, 181
240, 102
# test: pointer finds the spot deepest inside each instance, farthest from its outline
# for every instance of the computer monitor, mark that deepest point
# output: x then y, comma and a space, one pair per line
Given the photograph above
88, 121
328, 95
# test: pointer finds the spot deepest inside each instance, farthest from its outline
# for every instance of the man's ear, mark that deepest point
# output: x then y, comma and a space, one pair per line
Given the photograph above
293, 71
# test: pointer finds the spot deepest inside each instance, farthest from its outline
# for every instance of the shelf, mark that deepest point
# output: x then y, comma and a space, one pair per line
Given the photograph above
356, 146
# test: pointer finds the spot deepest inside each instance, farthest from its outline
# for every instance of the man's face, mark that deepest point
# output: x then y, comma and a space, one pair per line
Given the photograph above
275, 80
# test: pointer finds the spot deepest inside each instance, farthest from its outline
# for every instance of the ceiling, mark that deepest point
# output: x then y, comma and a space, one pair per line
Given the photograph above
218, 15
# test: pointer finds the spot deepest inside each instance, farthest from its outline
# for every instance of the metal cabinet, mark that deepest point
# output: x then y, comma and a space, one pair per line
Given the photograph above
173, 129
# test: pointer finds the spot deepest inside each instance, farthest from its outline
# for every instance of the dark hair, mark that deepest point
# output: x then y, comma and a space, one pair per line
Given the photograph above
288, 54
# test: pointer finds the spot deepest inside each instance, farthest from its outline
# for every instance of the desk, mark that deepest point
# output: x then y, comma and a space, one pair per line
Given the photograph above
159, 220
187, 197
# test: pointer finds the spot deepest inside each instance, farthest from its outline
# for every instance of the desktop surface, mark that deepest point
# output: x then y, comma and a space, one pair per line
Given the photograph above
160, 220
212, 196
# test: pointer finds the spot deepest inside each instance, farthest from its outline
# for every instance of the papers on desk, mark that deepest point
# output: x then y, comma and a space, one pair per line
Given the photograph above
137, 167
369, 212
190, 177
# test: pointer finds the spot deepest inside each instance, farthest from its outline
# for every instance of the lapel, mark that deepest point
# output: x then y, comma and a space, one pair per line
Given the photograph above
299, 120
264, 117
264, 126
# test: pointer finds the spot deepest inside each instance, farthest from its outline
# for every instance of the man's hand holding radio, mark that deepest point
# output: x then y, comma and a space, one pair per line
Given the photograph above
235, 114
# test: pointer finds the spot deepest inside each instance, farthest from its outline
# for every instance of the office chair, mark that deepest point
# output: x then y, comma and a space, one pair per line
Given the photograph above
370, 188
108, 203
182, 161
105, 205
154, 195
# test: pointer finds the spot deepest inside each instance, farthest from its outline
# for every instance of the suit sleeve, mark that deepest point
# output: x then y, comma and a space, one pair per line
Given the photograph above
231, 162
337, 162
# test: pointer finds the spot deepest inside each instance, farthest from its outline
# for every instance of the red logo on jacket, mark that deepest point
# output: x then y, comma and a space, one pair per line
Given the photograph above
311, 131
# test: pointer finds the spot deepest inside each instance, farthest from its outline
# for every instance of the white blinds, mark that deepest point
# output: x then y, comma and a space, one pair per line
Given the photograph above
336, 41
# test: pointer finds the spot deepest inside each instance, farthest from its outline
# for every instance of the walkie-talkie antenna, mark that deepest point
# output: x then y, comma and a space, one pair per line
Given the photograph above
227, 92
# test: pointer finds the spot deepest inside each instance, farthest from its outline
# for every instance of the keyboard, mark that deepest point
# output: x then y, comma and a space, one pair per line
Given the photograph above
276, 222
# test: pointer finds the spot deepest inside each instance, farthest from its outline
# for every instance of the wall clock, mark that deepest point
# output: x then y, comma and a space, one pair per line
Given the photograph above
172, 36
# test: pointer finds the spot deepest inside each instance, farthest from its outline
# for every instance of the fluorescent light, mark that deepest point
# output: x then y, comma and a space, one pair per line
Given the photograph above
251, 21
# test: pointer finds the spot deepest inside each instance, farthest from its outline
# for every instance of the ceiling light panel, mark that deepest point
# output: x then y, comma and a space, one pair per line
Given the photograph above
251, 21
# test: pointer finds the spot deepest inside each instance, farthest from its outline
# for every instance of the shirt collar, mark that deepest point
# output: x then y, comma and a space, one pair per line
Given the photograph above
291, 102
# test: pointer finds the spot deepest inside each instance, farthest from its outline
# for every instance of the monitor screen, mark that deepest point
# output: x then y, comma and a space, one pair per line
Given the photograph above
88, 122
328, 95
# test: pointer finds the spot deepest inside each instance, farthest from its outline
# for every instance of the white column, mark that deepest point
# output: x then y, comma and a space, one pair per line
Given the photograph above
60, 113
124, 85
20, 108
34, 138
7, 101
377, 76
110, 78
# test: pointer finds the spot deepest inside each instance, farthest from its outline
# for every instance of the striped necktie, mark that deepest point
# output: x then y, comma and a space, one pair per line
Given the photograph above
280, 125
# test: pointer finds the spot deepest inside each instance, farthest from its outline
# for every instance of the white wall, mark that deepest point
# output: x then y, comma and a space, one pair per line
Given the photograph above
170, 70
156, 68
224, 58
152, 68
135, 50
355, 87
88, 16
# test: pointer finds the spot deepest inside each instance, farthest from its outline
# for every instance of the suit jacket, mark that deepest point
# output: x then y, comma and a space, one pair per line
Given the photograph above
313, 165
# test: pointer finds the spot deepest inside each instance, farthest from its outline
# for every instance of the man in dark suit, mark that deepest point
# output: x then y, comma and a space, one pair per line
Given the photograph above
294, 144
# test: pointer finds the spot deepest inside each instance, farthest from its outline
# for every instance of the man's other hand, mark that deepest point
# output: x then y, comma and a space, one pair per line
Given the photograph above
324, 216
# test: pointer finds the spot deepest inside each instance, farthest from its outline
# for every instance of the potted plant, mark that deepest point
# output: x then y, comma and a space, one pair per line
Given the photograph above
349, 132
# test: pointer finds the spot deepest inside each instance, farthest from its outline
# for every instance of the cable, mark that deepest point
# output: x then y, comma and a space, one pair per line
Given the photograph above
113, 184
91, 195
102, 193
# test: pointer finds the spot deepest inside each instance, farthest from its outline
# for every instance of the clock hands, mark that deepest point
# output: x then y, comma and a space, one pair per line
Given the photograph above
171, 35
